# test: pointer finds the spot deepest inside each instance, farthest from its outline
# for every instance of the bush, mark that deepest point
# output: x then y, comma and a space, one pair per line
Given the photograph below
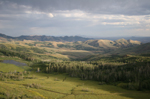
85, 89
102, 83
56, 79
123, 85
33, 85
146, 84
130, 86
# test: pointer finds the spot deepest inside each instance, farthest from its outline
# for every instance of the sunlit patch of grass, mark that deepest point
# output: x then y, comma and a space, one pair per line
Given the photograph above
38, 94
10, 67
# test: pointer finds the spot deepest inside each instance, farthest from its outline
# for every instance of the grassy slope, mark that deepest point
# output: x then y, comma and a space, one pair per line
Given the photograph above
62, 53
55, 88
70, 88
141, 49
9, 67
77, 54
46, 52
70, 50
112, 44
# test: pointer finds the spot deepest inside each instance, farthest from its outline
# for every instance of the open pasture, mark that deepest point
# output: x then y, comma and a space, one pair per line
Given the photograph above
60, 86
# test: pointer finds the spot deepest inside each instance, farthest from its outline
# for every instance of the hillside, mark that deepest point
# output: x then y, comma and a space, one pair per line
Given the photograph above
78, 50
5, 36
120, 43
141, 39
65, 50
141, 49
97, 45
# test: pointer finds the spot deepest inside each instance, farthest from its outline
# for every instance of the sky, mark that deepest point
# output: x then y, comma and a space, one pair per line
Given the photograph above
89, 18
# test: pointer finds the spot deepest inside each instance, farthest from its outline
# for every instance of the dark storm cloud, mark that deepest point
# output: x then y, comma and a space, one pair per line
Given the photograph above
127, 7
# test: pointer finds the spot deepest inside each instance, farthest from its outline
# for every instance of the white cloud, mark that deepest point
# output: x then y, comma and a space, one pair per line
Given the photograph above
103, 19
40, 13
71, 13
50, 15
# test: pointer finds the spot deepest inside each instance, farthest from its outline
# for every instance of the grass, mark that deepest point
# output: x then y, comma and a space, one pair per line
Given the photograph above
53, 86
10, 67
13, 67
76, 55
50, 88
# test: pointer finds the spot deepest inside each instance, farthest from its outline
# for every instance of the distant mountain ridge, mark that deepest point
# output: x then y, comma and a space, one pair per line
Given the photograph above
47, 38
5, 36
71, 38
53, 38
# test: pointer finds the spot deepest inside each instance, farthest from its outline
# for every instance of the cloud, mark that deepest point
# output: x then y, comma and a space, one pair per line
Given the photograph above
104, 19
75, 17
126, 7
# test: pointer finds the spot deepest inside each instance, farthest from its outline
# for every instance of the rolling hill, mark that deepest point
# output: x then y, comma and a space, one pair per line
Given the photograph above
62, 49
120, 43
137, 50
71, 38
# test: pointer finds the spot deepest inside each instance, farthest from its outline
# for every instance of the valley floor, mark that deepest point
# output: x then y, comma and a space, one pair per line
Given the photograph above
60, 86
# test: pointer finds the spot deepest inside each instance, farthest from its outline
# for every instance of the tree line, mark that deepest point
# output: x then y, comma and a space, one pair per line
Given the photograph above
131, 76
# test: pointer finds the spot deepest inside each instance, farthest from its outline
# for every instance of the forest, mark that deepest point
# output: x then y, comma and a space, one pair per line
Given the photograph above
129, 73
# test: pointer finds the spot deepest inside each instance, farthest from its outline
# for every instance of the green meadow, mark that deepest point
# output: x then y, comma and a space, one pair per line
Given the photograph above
38, 85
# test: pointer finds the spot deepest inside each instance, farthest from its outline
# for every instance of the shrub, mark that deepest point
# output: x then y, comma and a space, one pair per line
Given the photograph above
56, 79
102, 83
33, 85
85, 89
7, 95
146, 84
123, 85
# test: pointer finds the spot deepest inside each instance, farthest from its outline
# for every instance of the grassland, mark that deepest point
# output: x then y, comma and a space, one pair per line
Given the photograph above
38, 85
23, 82
8, 67
49, 50
52, 86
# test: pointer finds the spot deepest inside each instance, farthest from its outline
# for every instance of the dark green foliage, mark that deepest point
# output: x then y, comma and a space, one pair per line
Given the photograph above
134, 74
23, 52
40, 65
31, 44
82, 47
26, 56
37, 50
21, 49
34, 85
50, 45
16, 76
63, 45
2, 46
